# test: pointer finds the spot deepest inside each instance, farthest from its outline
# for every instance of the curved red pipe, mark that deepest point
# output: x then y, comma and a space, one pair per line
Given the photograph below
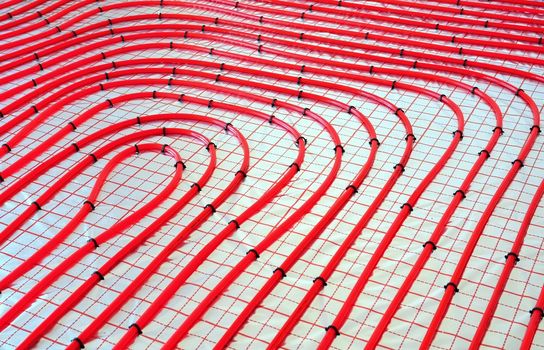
512, 257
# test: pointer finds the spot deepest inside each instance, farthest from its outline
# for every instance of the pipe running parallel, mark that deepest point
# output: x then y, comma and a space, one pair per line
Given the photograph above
512, 257
271, 31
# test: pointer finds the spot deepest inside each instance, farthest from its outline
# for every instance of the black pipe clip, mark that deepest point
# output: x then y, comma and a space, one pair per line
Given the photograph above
462, 193
453, 285
408, 205
355, 189
336, 331
521, 165
211, 207
135, 325
401, 167
500, 129
79, 342
283, 274
197, 186
95, 243
88, 202
211, 144
182, 164
323, 282
100, 275
410, 135
516, 257
537, 309
431, 243
241, 172
341, 148
235, 223
486, 152
252, 250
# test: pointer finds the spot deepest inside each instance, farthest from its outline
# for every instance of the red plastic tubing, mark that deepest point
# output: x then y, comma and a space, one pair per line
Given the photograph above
191, 227
537, 313
51, 84
114, 230
512, 257
402, 52
235, 223
90, 203
452, 286
158, 95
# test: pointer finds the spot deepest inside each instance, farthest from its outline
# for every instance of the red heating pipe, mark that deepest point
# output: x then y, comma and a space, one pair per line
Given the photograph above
47, 164
317, 60
533, 108
414, 63
61, 93
365, 27
463, 11
511, 259
138, 326
496, 5
98, 10
364, 32
60, 311
341, 201
243, 264
92, 244
262, 48
402, 52
10, 191
321, 281
333, 330
521, 93
363, 36
82, 290
280, 272
362, 8
76, 36
520, 2
69, 150
277, 122
253, 253
20, 9
10, 3
536, 316
39, 14
316, 287
452, 286
430, 245
301, 147
296, 168
168, 293
309, 239
181, 277
32, 110
90, 203
396, 21
107, 104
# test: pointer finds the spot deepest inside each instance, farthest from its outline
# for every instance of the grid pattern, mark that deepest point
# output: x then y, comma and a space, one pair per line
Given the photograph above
336, 73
